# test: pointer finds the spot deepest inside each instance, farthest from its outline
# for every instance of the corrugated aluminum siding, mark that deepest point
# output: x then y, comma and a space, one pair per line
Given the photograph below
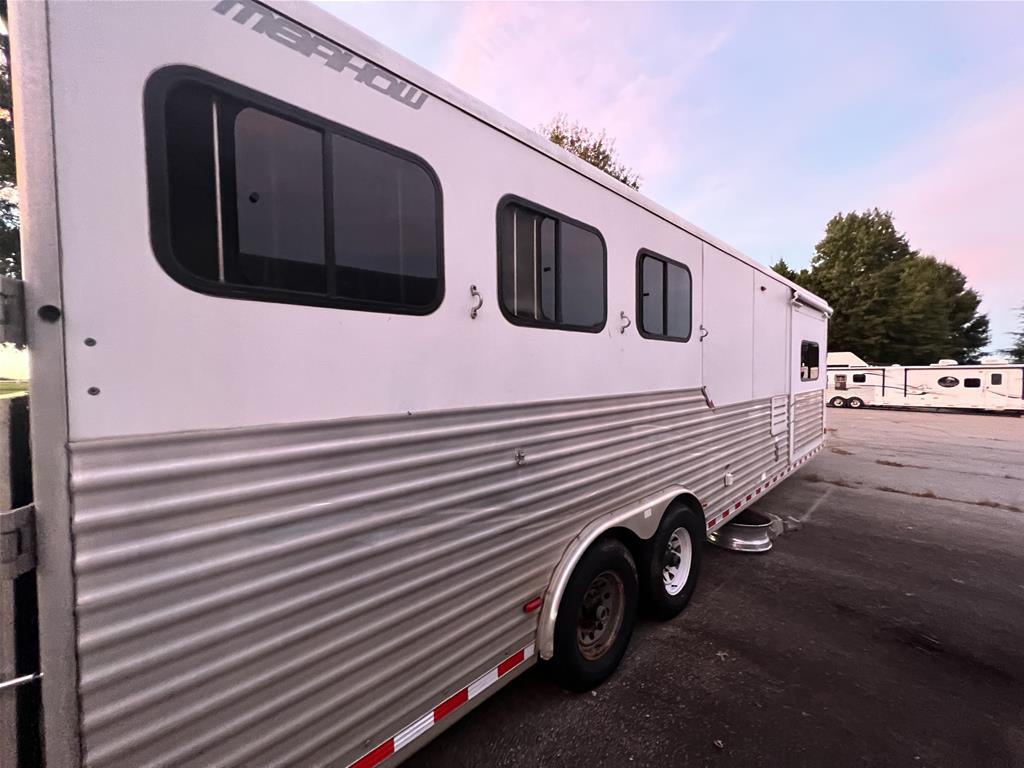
292, 595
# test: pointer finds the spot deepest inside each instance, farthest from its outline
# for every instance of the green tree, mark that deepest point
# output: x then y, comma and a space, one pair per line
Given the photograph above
596, 148
800, 278
1016, 350
10, 222
893, 305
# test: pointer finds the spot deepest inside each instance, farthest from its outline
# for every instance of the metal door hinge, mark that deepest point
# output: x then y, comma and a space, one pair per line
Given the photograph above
12, 311
17, 541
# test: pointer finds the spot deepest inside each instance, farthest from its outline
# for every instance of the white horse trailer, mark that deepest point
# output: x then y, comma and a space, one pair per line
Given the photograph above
993, 385
352, 399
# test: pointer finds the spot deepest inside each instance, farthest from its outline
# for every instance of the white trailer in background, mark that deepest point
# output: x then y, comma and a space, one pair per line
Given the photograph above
352, 399
993, 385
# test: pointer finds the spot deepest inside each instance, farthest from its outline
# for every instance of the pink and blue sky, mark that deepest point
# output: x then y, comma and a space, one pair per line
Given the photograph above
760, 121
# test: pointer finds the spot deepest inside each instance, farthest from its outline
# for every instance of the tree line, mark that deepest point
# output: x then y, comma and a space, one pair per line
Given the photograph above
892, 303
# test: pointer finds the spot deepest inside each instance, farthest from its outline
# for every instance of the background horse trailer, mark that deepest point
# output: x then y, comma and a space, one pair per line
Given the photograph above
993, 385
351, 398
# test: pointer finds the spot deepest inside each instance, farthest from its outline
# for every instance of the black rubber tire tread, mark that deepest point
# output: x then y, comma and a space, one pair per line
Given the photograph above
657, 603
570, 669
837, 402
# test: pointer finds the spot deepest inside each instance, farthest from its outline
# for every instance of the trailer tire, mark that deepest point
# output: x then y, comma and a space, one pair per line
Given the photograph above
595, 616
669, 563
854, 402
837, 402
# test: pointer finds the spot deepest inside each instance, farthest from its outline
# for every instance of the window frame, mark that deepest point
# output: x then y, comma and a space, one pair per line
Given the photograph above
155, 92
527, 322
992, 379
862, 380
976, 385
640, 256
800, 367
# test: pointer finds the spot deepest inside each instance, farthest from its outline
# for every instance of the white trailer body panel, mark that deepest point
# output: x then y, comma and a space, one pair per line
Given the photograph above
298, 530
728, 347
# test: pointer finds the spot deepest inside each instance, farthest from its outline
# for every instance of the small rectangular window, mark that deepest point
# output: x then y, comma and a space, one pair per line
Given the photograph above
997, 379
810, 361
972, 383
551, 271
664, 298
859, 378
252, 198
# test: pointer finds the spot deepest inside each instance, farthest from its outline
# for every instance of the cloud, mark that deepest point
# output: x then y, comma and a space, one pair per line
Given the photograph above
964, 200
594, 62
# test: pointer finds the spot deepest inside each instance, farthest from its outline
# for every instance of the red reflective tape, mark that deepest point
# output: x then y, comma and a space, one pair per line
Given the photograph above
511, 663
738, 504
711, 523
750, 496
378, 756
456, 701
533, 605
759, 489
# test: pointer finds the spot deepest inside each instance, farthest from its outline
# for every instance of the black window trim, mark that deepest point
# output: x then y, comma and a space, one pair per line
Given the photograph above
522, 202
664, 303
817, 346
155, 93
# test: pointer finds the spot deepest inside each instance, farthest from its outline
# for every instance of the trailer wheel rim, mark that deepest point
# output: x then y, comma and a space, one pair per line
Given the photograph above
855, 403
600, 615
678, 558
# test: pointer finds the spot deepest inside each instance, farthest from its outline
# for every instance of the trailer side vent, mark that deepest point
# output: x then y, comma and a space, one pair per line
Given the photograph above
780, 412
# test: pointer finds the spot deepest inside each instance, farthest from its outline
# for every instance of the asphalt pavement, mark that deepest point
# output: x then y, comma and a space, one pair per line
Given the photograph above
885, 629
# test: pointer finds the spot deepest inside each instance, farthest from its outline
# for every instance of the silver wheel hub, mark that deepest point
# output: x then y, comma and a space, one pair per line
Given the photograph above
677, 561
600, 615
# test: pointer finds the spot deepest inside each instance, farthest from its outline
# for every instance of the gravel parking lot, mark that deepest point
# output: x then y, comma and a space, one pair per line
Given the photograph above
888, 630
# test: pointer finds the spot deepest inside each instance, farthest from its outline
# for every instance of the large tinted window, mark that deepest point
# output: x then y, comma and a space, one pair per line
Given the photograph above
385, 227
253, 199
664, 298
279, 204
551, 270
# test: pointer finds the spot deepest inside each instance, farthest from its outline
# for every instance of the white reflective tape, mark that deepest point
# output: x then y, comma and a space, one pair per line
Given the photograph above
414, 730
527, 651
481, 683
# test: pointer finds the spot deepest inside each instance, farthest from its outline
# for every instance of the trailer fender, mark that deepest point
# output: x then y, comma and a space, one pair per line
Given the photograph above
641, 518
